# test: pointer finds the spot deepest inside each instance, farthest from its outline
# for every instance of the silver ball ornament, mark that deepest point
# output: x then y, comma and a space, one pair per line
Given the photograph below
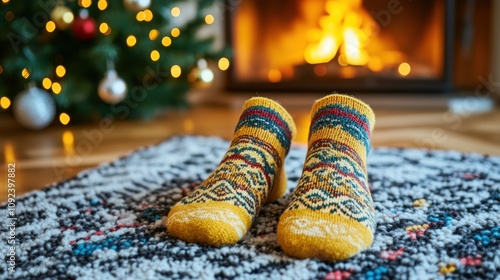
201, 76
112, 89
34, 108
136, 5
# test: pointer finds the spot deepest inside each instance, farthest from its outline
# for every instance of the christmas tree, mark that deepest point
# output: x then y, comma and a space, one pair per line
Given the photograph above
122, 59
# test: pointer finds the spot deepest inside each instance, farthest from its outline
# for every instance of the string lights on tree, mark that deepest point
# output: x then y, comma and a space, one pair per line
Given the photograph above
53, 58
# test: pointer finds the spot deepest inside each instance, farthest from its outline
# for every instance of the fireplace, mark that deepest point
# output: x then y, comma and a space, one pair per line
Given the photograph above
344, 45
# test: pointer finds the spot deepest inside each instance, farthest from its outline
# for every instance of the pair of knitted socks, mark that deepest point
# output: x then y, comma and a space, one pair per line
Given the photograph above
331, 213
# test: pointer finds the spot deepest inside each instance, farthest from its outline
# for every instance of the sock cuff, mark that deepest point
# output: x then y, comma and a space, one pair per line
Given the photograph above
353, 103
277, 108
268, 120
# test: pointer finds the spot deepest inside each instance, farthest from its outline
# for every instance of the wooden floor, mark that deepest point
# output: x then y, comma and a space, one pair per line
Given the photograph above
59, 152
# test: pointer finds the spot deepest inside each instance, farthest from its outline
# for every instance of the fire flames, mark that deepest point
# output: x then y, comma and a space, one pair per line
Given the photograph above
347, 28
331, 38
346, 32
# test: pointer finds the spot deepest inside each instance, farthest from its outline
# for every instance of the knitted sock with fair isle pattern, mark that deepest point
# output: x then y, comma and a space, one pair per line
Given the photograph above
220, 211
331, 215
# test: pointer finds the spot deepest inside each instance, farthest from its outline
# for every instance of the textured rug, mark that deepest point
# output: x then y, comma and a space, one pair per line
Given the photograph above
438, 217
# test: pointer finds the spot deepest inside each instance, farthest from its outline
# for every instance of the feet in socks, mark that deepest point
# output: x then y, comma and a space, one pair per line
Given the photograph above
221, 210
331, 214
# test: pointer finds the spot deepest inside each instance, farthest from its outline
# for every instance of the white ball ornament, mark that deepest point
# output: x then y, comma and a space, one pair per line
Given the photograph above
34, 108
112, 89
201, 76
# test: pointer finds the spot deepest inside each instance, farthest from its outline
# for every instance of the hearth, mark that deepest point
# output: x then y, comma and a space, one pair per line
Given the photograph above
345, 45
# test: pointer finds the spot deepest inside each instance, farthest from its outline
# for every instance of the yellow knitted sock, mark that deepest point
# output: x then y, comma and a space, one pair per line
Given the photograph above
331, 214
220, 211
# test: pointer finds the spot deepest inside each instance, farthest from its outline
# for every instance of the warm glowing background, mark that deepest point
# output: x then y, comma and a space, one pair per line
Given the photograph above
284, 40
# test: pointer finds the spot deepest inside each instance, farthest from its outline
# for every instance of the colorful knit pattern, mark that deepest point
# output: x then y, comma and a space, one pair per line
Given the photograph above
331, 214
221, 210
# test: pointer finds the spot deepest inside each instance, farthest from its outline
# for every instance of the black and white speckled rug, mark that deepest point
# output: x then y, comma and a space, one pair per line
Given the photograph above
438, 215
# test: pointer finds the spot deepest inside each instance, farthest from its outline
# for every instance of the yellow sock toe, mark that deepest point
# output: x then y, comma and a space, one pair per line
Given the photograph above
308, 234
211, 223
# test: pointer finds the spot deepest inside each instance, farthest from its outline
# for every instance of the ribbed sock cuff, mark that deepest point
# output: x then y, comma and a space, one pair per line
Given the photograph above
349, 101
265, 114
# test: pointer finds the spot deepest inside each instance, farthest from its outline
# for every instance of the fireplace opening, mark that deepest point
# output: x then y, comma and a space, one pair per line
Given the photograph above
349, 45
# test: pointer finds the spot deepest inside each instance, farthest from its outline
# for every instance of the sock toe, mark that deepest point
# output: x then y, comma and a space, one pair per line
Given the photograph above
211, 223
307, 234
